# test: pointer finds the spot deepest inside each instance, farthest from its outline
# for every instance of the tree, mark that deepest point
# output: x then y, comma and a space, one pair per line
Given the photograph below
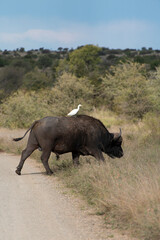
22, 49
44, 62
60, 49
84, 60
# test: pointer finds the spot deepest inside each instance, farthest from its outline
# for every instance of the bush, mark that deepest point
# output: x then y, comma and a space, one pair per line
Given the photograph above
21, 109
44, 61
124, 89
154, 85
3, 61
69, 91
10, 80
36, 80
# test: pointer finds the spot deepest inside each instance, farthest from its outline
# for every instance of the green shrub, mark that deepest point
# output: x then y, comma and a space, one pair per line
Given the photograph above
124, 89
21, 109
10, 79
44, 61
154, 85
69, 91
36, 80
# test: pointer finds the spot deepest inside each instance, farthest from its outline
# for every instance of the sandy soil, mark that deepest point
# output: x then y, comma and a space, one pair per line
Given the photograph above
38, 207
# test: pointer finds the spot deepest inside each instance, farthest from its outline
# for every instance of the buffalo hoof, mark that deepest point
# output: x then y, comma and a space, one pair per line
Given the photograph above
18, 172
49, 173
76, 163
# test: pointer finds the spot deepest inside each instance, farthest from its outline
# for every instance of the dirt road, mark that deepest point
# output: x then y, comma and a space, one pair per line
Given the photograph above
34, 206
31, 206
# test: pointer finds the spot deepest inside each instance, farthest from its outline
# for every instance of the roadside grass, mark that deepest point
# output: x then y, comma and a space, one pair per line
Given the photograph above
125, 191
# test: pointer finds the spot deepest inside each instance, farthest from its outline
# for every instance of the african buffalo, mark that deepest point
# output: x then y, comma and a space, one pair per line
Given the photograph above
81, 135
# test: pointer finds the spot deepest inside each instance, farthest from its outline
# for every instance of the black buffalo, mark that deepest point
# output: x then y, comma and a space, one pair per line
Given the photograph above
81, 135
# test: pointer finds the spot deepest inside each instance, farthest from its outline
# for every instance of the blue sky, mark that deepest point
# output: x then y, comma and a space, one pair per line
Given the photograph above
70, 23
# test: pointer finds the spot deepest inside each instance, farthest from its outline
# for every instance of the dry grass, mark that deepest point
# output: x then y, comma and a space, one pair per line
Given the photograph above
126, 191
107, 117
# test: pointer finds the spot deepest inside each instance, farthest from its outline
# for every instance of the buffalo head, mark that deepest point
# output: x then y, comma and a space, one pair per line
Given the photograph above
114, 149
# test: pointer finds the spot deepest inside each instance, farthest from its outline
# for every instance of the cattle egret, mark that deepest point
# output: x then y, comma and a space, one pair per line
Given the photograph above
74, 111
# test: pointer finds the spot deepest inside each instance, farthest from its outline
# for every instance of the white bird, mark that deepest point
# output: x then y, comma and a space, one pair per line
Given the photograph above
74, 111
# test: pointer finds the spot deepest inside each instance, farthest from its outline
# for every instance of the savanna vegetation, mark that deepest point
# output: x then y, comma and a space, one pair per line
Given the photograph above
119, 87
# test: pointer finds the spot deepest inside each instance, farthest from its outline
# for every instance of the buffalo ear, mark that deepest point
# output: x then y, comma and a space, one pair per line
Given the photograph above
117, 136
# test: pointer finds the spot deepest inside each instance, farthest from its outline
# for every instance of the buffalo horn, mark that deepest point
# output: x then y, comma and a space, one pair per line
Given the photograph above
120, 133
117, 135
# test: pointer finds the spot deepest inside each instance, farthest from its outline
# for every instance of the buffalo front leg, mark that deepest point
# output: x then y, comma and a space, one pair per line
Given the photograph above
25, 154
45, 157
75, 158
98, 155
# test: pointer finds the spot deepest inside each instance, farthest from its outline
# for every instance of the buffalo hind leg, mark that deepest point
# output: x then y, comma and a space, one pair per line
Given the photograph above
45, 157
25, 154
75, 157
57, 156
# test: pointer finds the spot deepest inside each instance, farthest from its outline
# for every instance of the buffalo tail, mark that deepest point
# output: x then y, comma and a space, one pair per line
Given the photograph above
18, 139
